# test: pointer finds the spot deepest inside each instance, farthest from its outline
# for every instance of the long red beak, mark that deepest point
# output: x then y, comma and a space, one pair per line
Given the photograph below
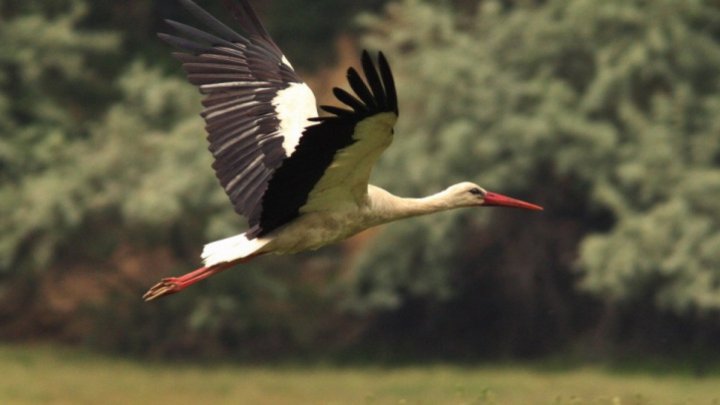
499, 200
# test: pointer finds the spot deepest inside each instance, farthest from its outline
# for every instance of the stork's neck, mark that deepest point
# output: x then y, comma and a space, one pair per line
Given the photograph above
388, 207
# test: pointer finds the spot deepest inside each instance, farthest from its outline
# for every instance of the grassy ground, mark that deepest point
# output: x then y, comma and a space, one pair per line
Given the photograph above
45, 375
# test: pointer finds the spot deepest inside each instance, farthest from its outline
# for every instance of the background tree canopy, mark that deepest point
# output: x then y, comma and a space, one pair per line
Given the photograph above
603, 112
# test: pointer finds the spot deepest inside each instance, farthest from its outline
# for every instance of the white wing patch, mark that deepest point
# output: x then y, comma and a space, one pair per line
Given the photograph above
345, 182
294, 105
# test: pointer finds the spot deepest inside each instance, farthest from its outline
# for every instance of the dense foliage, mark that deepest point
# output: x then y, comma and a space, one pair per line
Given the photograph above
631, 121
603, 112
49, 89
606, 112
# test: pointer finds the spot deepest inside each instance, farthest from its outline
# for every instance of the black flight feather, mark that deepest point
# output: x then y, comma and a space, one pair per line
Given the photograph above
361, 89
349, 99
388, 83
211, 22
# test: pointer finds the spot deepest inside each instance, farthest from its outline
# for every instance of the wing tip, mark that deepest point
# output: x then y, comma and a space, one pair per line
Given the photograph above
373, 93
388, 82
379, 77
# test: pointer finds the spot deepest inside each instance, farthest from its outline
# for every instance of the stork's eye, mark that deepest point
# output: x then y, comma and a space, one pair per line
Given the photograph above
476, 191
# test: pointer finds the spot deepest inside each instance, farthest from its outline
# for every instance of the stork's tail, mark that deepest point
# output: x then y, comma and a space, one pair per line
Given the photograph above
231, 249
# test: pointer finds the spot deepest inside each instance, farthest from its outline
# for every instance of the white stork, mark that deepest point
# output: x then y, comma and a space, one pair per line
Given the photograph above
301, 180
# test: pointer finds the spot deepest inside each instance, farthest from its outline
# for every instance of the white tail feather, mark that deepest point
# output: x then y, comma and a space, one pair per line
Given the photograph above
232, 248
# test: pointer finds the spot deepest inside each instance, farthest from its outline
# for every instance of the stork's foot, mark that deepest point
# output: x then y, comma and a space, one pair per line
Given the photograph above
165, 287
172, 285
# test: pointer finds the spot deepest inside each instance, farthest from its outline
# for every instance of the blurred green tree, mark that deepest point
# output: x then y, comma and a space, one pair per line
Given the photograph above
307, 30
49, 88
605, 112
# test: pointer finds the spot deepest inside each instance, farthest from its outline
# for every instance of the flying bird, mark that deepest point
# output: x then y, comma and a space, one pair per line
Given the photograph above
300, 179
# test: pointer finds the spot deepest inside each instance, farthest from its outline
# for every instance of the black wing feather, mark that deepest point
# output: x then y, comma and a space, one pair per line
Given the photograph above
247, 17
350, 100
240, 76
291, 184
193, 32
360, 88
212, 23
372, 78
388, 83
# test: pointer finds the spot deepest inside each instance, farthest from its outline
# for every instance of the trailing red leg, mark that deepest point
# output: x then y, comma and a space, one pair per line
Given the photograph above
172, 285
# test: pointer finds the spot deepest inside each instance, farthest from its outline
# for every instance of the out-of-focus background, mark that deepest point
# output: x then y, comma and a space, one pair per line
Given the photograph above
607, 113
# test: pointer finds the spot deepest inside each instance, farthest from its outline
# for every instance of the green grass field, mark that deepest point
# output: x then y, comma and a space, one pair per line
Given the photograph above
61, 376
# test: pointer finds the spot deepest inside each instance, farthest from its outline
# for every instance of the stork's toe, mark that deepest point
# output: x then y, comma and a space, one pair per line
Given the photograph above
161, 289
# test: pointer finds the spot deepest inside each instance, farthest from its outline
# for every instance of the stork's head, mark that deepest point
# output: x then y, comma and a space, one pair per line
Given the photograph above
471, 195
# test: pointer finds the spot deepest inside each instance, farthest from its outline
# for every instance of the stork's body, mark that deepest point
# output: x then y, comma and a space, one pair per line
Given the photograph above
301, 180
317, 229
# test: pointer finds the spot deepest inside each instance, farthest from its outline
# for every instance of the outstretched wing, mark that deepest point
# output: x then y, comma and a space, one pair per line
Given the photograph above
256, 106
331, 165
275, 159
